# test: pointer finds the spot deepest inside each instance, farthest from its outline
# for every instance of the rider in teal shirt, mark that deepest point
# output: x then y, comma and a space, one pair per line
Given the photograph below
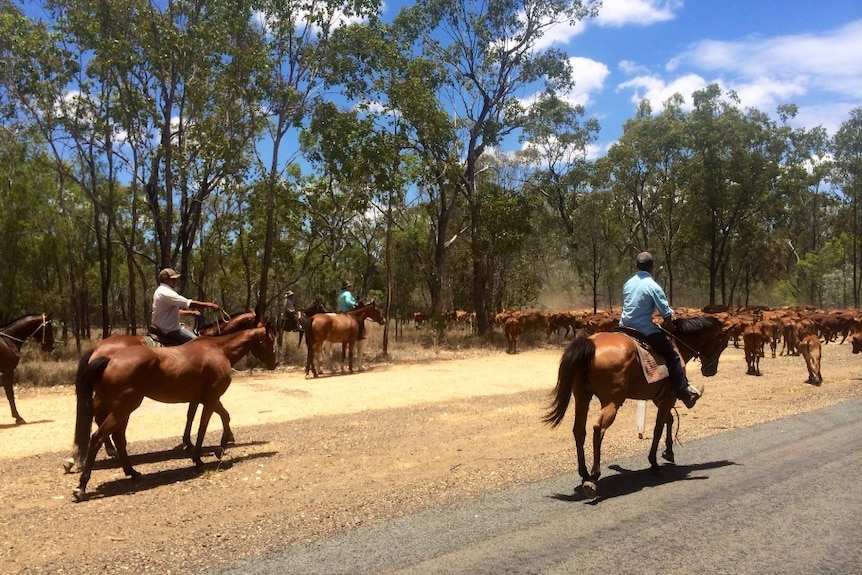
642, 295
345, 298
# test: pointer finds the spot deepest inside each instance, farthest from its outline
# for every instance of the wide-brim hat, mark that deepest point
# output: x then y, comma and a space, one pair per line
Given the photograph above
346, 284
289, 293
168, 273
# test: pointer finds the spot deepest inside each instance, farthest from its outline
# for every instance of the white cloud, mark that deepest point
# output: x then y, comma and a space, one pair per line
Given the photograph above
822, 73
618, 13
615, 13
589, 78
831, 61
560, 35
658, 90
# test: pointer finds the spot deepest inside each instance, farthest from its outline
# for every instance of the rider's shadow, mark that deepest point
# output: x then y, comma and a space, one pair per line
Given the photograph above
628, 481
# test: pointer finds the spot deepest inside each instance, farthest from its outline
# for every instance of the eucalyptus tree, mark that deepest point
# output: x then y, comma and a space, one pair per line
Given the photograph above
36, 67
491, 53
297, 36
806, 220
381, 72
557, 140
154, 99
848, 175
646, 170
734, 167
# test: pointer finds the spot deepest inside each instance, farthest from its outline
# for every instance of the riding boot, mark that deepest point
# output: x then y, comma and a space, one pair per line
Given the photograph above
686, 392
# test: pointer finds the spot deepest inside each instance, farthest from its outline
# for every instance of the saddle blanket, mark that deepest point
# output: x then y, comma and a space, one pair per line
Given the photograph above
653, 364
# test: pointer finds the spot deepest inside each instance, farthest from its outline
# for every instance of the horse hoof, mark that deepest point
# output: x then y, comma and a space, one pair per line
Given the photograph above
218, 452
590, 489
134, 475
668, 456
111, 451
79, 495
68, 465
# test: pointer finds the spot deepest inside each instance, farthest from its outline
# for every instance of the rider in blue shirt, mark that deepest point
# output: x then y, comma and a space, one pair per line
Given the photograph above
642, 295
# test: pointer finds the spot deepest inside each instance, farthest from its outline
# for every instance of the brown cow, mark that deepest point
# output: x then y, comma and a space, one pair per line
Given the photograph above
419, 317
856, 341
512, 327
752, 342
790, 331
810, 348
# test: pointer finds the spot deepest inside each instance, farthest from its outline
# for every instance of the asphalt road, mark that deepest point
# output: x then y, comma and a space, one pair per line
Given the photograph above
779, 498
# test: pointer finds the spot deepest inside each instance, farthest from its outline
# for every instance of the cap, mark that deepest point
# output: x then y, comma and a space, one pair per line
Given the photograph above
289, 293
644, 258
168, 273
346, 284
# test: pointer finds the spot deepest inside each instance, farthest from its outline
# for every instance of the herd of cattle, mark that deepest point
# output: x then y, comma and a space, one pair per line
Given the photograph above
799, 330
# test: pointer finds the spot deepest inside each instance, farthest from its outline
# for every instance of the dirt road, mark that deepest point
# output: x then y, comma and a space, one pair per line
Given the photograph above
314, 457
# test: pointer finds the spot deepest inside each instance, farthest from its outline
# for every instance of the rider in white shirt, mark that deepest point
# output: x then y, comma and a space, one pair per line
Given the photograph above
168, 305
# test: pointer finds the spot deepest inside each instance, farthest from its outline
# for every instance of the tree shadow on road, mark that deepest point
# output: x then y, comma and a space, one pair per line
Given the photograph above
628, 481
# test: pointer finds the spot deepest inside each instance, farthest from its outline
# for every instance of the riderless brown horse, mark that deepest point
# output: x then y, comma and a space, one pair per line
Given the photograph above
12, 336
115, 344
197, 371
337, 328
606, 365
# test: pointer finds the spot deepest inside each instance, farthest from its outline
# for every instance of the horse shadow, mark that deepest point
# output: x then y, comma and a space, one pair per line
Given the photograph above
126, 485
628, 481
13, 424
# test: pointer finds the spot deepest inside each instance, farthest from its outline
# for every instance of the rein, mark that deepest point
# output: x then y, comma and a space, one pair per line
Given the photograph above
695, 352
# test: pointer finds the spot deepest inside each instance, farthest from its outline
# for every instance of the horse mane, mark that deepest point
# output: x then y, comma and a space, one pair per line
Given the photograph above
690, 325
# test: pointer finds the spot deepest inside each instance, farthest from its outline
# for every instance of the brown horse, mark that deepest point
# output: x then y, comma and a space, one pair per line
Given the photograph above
337, 328
197, 371
12, 336
117, 344
606, 365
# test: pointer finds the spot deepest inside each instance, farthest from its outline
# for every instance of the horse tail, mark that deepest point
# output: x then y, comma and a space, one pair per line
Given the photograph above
85, 380
309, 333
576, 359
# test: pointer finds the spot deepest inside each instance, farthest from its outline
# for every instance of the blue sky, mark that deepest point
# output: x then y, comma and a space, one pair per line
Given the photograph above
770, 52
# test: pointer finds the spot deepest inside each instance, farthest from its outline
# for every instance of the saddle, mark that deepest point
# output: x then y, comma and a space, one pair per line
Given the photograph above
157, 338
653, 364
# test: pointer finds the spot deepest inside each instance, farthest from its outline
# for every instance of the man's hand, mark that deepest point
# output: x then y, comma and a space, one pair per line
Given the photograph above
668, 325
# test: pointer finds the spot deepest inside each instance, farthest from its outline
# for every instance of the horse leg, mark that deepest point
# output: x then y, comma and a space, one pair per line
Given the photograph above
227, 434
8, 380
187, 432
122, 451
667, 454
606, 417
206, 413
108, 426
579, 430
661, 421
350, 348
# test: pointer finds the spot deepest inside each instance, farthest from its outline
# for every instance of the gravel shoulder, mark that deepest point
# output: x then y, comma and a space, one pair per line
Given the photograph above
318, 457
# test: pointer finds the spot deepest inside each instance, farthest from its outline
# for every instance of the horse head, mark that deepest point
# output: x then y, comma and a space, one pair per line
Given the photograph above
316, 307
706, 337
264, 347
374, 313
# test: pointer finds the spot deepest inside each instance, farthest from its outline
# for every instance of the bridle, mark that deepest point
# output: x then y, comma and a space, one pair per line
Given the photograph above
45, 322
695, 353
